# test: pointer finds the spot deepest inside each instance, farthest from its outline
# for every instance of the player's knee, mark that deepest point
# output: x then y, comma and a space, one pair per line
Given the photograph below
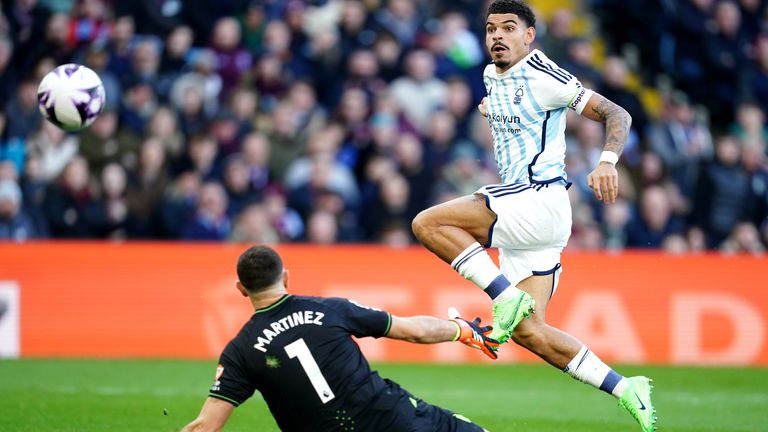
529, 332
422, 225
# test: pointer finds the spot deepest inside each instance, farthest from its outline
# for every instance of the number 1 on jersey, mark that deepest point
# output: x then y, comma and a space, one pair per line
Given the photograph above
299, 349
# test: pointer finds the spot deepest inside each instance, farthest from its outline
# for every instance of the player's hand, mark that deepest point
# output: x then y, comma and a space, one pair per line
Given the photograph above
604, 182
473, 335
481, 107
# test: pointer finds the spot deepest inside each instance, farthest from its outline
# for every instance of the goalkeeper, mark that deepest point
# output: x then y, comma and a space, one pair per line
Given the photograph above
298, 352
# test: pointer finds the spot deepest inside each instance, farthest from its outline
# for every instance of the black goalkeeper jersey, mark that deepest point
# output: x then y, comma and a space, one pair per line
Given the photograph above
300, 355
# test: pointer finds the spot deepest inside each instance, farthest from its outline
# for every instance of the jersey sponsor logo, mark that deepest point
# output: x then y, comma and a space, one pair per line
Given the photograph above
504, 118
577, 99
286, 323
504, 130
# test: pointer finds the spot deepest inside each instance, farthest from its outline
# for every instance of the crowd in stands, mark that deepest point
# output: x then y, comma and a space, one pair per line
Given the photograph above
330, 121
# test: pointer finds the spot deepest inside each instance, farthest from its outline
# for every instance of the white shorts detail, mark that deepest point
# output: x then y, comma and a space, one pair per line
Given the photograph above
532, 227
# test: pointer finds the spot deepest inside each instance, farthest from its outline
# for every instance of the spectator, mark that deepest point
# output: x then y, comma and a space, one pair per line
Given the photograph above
145, 189
113, 188
243, 105
750, 127
204, 81
237, 184
252, 225
210, 221
682, 141
419, 84
12, 149
138, 103
322, 228
286, 221
202, 157
120, 45
176, 51
285, 142
743, 238
689, 30
179, 204
580, 60
23, 105
726, 55
458, 104
557, 35
653, 221
164, 126
722, 193
615, 220
253, 21
401, 19
615, 80
9, 75
354, 27
416, 170
389, 53
15, 224
54, 148
102, 143
232, 60
72, 208
256, 152
391, 207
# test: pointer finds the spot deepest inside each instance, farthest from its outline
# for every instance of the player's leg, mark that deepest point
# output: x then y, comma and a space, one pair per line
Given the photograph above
567, 353
456, 231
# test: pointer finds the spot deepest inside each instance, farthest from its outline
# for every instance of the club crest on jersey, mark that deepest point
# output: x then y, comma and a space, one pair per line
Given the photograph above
518, 95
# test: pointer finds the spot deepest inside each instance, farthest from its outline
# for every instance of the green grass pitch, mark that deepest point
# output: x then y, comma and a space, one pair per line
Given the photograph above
132, 395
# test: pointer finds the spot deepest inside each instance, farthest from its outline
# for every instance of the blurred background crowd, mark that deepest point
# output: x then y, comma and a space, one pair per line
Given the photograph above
331, 121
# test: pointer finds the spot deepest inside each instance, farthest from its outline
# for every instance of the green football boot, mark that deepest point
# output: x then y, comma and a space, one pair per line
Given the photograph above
508, 313
637, 400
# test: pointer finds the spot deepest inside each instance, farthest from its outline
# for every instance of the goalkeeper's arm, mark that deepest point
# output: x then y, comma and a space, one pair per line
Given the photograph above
429, 330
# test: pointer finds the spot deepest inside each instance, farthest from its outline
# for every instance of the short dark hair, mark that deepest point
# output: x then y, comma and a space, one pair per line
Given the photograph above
259, 267
517, 7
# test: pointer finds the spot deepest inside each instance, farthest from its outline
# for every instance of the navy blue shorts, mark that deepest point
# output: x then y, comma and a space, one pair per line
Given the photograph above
430, 418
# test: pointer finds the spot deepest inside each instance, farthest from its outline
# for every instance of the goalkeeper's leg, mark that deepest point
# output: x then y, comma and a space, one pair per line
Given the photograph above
568, 354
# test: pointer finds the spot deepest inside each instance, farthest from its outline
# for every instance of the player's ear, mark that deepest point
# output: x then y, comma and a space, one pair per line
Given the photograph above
285, 278
530, 35
241, 288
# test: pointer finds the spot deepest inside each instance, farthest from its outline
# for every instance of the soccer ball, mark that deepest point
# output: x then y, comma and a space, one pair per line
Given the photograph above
71, 96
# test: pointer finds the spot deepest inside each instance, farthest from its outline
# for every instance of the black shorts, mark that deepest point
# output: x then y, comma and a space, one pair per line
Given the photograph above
430, 418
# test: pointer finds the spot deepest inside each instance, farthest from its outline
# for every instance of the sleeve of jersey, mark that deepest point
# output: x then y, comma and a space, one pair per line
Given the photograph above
560, 88
362, 320
232, 383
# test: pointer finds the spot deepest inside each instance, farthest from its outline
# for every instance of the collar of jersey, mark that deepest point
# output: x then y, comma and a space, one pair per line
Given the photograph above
273, 305
518, 65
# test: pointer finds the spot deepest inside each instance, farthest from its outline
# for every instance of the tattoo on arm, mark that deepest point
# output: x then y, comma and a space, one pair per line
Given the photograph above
617, 122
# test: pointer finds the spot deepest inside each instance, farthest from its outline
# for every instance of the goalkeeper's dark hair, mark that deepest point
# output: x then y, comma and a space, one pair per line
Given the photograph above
517, 7
259, 268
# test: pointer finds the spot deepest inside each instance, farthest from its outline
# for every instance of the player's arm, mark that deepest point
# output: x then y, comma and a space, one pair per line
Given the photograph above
212, 417
429, 330
604, 179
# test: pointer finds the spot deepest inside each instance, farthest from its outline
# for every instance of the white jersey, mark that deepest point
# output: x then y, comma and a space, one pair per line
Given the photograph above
526, 110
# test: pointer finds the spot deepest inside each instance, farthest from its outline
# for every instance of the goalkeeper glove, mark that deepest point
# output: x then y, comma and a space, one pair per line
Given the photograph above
474, 336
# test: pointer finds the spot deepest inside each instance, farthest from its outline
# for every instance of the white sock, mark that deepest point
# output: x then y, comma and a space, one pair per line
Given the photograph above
475, 265
588, 368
